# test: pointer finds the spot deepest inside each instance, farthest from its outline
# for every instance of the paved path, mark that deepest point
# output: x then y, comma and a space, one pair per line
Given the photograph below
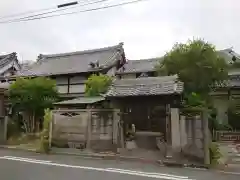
231, 153
16, 165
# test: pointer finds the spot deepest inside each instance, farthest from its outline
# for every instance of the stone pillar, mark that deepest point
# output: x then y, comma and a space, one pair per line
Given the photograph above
175, 130
89, 129
116, 120
183, 131
2, 105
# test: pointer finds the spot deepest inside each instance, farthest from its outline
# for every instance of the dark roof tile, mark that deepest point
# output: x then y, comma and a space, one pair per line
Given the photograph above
143, 65
75, 62
229, 55
7, 59
81, 100
148, 65
145, 86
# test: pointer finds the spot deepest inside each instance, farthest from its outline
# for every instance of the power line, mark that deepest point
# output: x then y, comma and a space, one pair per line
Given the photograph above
53, 11
70, 13
44, 9
67, 4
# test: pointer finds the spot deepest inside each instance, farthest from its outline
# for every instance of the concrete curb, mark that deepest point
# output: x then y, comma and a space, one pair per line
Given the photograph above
136, 159
167, 163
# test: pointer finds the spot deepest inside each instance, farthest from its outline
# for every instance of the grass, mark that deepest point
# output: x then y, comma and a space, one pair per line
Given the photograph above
31, 141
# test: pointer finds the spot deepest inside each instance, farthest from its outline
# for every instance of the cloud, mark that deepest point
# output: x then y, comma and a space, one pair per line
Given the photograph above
148, 28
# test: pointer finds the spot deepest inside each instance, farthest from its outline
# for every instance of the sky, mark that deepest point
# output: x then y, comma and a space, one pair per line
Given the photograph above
148, 29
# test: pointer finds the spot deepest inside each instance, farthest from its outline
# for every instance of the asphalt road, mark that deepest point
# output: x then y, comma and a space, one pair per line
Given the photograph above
16, 165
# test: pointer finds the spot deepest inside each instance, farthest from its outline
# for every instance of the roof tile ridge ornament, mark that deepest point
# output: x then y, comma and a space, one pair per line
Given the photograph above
114, 56
40, 57
118, 47
13, 54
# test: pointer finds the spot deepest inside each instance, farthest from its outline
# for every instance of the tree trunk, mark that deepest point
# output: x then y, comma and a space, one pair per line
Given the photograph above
26, 121
33, 122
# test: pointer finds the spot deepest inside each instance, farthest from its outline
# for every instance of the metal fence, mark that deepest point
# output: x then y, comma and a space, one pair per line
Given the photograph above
226, 135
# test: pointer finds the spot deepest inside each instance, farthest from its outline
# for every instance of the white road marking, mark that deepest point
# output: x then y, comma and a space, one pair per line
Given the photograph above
113, 170
227, 172
140, 172
26, 159
195, 168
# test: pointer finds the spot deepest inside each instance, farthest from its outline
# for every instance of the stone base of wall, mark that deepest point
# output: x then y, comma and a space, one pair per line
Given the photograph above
103, 145
193, 152
146, 142
67, 144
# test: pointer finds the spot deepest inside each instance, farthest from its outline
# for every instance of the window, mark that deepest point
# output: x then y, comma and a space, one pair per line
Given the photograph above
77, 79
79, 88
62, 89
61, 80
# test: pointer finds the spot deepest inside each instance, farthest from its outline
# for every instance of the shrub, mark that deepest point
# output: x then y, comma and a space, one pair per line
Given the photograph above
97, 84
44, 140
215, 153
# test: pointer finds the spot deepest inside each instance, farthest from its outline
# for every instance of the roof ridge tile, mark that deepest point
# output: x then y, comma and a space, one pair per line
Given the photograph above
42, 56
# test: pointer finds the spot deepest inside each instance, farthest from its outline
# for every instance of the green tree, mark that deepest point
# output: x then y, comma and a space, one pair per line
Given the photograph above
197, 65
30, 97
201, 69
97, 84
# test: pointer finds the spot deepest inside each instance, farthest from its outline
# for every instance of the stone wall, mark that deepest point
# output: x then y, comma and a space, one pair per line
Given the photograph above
192, 136
70, 126
95, 129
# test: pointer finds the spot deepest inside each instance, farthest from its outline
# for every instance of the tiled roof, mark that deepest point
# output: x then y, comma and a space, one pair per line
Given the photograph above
229, 55
148, 65
81, 100
75, 62
7, 59
143, 65
234, 75
145, 86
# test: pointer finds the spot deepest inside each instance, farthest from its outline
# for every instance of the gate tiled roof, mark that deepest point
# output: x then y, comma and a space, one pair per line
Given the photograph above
145, 86
81, 100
